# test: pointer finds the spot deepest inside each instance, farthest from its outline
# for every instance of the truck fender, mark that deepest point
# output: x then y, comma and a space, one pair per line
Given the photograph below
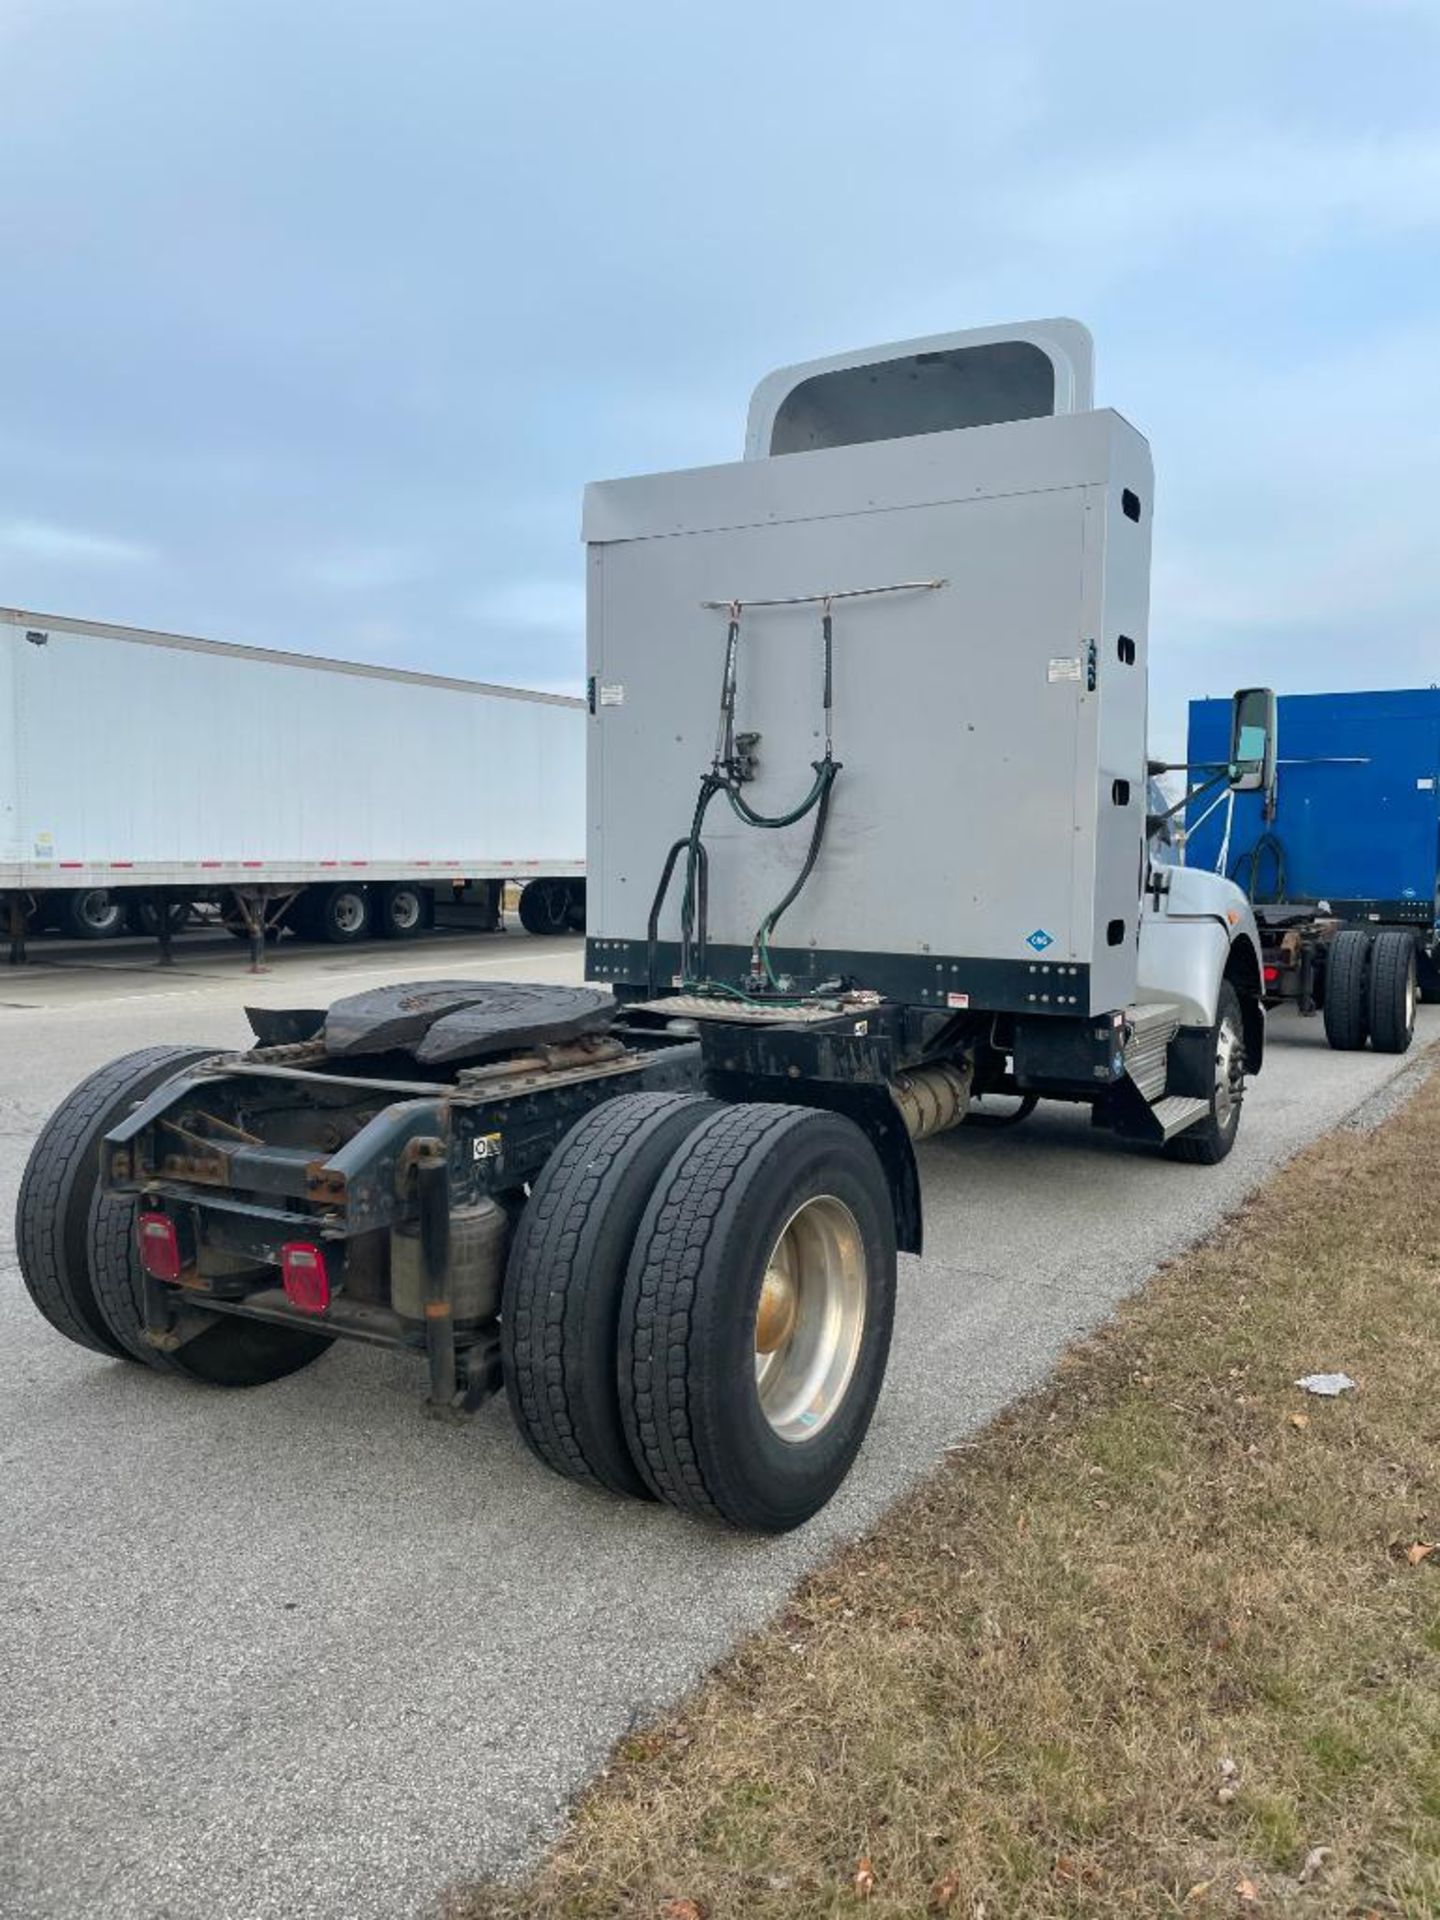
874, 1112
1187, 959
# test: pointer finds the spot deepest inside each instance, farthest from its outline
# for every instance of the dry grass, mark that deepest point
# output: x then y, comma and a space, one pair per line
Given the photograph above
1145, 1646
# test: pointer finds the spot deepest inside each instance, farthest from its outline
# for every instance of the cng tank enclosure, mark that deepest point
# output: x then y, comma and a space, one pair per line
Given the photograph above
870, 702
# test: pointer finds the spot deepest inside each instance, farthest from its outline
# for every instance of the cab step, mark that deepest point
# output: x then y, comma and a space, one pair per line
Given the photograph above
1147, 1051
1177, 1112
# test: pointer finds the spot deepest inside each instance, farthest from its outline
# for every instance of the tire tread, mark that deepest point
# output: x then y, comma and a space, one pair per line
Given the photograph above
542, 1320
657, 1335
1392, 958
49, 1243
1347, 1008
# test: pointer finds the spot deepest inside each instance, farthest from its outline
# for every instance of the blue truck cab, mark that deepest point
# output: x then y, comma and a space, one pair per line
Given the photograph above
1342, 859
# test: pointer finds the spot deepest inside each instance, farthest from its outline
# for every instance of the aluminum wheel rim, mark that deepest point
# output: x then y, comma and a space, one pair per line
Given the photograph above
1229, 1073
349, 913
1412, 996
810, 1319
404, 911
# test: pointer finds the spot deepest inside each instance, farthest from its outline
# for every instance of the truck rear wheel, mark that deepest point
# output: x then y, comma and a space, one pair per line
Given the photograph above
62, 1177
1347, 991
1393, 991
231, 1353
565, 1277
545, 907
400, 910
1207, 1143
755, 1326
144, 917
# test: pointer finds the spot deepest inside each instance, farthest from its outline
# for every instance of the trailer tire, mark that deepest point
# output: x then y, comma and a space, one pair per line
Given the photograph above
144, 917
1393, 991
565, 1277
1208, 1142
341, 914
400, 910
1347, 993
92, 913
756, 1322
231, 1353
544, 907
62, 1175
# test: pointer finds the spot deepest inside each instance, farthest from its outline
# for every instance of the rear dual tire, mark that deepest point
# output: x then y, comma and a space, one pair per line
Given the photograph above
1347, 991
551, 907
1394, 991
565, 1278
698, 1305
76, 1243
1371, 990
758, 1308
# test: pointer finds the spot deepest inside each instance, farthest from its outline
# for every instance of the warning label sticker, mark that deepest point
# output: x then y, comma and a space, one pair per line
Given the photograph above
1065, 669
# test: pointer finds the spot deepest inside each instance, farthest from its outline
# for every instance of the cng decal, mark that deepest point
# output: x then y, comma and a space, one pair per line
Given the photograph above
1039, 940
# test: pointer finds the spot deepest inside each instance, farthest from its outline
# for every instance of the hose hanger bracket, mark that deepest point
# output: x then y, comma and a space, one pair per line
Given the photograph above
736, 607
733, 765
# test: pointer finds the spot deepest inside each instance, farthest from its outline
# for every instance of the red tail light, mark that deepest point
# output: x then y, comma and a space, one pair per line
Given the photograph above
1272, 974
304, 1276
159, 1245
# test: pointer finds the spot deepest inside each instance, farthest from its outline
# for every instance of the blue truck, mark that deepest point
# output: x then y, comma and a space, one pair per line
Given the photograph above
1340, 854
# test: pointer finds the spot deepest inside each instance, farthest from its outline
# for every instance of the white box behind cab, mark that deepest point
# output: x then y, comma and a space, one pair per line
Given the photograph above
986, 832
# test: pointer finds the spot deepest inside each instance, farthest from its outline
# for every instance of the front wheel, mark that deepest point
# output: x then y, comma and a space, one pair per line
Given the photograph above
1209, 1140
755, 1325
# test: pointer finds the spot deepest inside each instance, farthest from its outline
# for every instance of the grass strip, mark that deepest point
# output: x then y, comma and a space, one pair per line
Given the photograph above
1162, 1640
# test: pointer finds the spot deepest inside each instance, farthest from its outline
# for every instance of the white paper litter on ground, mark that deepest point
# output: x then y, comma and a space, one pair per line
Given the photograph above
1328, 1384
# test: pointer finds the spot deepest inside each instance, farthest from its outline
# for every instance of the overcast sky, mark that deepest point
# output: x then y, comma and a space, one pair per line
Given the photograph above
316, 315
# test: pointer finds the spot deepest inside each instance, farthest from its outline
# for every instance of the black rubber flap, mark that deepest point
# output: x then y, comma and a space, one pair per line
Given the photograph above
496, 1016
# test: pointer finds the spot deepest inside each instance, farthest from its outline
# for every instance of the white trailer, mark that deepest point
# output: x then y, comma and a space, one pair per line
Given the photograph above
144, 771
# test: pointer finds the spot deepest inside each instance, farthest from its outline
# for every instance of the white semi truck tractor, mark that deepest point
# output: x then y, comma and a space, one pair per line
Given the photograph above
868, 857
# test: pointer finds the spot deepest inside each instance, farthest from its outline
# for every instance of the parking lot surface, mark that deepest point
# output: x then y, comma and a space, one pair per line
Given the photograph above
301, 1651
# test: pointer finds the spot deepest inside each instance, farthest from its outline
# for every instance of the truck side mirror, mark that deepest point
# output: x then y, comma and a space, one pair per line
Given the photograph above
1253, 741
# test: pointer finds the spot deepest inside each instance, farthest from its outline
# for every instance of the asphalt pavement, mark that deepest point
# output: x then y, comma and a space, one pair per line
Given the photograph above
302, 1652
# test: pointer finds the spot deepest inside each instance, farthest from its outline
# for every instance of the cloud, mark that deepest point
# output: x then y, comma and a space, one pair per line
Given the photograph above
532, 606
362, 569
41, 540
1240, 183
